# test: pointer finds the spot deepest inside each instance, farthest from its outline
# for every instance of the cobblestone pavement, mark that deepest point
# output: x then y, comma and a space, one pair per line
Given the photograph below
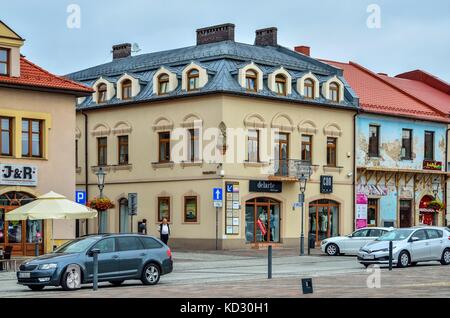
244, 274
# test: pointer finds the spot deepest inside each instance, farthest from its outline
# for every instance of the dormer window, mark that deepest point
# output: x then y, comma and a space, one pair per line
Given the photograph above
163, 84
101, 93
193, 80
126, 89
280, 85
251, 79
334, 92
309, 89
4, 61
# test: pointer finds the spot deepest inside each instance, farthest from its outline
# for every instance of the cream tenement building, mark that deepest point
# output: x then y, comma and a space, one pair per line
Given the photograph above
244, 116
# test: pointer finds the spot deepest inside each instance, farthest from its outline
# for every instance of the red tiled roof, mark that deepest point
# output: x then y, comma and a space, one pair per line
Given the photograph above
422, 91
34, 76
377, 95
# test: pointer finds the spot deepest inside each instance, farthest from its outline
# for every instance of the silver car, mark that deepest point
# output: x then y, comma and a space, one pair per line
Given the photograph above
410, 246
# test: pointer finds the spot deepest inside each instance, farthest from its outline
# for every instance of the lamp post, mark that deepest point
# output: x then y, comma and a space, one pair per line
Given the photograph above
101, 185
302, 181
435, 187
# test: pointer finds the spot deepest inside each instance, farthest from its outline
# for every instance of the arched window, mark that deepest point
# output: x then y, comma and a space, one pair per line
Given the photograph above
193, 80
101, 93
323, 219
309, 89
126, 89
280, 85
251, 79
163, 84
124, 219
334, 92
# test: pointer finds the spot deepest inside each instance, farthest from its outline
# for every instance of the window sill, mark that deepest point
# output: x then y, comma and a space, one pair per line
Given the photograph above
333, 168
158, 165
96, 168
256, 164
191, 164
128, 167
31, 158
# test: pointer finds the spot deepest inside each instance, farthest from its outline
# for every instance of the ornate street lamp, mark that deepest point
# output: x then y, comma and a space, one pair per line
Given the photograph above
101, 180
435, 187
302, 180
101, 185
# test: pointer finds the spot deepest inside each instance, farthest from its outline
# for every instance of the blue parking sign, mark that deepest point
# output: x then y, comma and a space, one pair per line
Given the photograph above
80, 197
217, 194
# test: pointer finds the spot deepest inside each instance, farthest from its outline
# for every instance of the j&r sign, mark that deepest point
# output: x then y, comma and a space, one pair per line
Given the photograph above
20, 175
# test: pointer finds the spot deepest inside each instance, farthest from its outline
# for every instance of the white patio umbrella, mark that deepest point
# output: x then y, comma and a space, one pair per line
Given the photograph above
52, 206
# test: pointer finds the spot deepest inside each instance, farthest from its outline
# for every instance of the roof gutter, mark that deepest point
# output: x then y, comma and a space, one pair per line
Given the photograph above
75, 93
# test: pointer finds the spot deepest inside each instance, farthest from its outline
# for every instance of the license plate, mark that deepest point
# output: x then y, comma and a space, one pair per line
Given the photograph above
24, 275
367, 256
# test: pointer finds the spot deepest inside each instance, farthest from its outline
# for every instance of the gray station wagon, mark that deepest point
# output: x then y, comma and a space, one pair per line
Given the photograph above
122, 257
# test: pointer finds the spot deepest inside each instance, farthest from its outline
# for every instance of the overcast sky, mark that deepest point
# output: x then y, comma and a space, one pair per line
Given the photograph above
413, 34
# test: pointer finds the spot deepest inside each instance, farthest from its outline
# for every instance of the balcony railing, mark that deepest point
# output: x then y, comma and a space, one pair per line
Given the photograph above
290, 168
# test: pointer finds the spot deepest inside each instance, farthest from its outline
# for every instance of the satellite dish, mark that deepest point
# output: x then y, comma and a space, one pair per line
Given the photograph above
135, 48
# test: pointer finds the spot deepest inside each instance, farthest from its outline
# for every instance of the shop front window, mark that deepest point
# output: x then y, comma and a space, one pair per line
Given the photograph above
372, 212
34, 231
262, 221
190, 210
323, 219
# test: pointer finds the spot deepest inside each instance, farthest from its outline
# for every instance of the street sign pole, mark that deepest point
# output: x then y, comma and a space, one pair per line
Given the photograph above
217, 228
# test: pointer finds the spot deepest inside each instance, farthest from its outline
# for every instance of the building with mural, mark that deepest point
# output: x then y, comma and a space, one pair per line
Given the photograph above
401, 151
282, 108
37, 120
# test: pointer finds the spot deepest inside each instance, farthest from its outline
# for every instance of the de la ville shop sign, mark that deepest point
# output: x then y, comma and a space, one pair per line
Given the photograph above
18, 175
266, 186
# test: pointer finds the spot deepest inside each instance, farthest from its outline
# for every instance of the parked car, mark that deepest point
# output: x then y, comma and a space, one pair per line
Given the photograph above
122, 257
351, 244
410, 246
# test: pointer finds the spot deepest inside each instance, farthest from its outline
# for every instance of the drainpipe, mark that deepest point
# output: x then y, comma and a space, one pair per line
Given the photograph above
86, 164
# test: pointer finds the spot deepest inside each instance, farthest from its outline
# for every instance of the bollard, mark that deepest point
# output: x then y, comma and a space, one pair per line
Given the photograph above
36, 249
390, 255
309, 246
269, 262
95, 253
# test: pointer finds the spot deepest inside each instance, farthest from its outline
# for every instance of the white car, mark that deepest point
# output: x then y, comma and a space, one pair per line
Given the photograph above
352, 243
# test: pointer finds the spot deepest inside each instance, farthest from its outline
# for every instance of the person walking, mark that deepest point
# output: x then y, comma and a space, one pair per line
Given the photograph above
143, 227
164, 230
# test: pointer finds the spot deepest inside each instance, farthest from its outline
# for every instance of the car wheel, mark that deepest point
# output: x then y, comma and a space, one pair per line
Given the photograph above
403, 259
445, 259
71, 279
36, 287
332, 249
116, 282
151, 274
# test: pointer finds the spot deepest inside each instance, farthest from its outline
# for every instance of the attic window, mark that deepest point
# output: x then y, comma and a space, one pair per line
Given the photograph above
309, 89
163, 84
251, 80
280, 85
4, 61
334, 92
193, 80
101, 93
126, 89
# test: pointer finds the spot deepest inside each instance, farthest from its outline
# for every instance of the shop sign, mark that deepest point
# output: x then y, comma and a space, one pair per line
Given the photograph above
326, 184
432, 165
361, 210
18, 175
266, 186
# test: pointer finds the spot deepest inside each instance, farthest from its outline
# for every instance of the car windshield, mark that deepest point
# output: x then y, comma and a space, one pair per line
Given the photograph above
396, 235
77, 246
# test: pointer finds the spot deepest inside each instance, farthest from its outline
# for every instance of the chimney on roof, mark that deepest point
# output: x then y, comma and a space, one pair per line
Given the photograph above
266, 37
121, 50
305, 50
216, 33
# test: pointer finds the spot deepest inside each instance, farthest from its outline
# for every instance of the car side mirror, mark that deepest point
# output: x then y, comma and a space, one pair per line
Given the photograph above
414, 239
93, 251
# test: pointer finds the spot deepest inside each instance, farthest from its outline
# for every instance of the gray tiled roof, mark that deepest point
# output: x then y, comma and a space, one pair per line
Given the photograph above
222, 60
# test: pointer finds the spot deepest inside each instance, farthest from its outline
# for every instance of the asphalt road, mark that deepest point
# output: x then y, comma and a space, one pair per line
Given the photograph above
244, 274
